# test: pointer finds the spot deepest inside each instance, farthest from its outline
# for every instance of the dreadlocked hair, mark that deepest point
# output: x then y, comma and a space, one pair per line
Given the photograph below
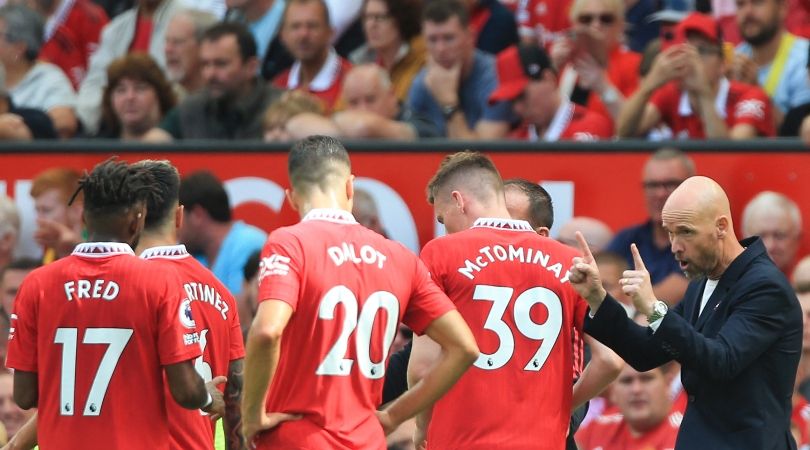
113, 186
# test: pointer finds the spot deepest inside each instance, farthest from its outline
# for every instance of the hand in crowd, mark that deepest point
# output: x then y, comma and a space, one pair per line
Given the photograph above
592, 75
672, 63
695, 80
562, 50
355, 123
251, 427
743, 69
637, 285
56, 235
443, 82
12, 127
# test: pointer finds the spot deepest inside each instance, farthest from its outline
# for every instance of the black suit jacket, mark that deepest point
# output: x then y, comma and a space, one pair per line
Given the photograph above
739, 358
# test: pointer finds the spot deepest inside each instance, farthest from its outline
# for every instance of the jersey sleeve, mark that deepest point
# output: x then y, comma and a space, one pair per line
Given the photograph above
427, 302
280, 269
755, 108
22, 337
178, 339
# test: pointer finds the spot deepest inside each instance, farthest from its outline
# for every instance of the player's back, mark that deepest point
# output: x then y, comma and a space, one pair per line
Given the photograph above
97, 327
511, 287
349, 288
217, 322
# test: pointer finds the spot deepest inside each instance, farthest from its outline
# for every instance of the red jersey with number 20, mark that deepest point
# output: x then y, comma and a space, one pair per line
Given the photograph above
97, 327
349, 288
217, 322
511, 286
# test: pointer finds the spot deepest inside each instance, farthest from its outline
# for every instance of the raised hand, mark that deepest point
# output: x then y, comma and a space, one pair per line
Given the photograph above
636, 284
584, 276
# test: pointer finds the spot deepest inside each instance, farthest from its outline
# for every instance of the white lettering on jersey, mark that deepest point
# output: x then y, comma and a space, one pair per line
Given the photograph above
347, 253
274, 264
207, 294
750, 108
97, 289
498, 253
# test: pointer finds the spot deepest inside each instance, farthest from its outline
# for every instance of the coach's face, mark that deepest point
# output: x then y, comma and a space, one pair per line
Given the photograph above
694, 239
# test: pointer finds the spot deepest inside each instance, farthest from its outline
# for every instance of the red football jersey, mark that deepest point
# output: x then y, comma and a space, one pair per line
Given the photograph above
571, 122
325, 86
217, 322
610, 432
97, 327
349, 288
73, 37
544, 20
511, 285
736, 103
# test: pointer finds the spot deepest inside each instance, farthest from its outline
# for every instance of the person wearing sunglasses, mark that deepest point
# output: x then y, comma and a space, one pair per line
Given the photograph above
596, 69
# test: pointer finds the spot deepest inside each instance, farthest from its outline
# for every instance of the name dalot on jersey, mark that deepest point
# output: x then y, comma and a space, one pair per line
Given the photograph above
343, 253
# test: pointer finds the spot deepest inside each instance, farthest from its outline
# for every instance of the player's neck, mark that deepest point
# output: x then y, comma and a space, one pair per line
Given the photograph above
323, 200
150, 239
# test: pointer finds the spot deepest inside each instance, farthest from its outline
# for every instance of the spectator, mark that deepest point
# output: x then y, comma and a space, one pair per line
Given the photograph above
248, 300
797, 120
9, 230
72, 31
232, 103
801, 276
778, 221
22, 123
528, 79
11, 416
393, 40
372, 111
211, 234
10, 280
32, 84
291, 104
611, 268
493, 25
596, 70
541, 22
454, 88
136, 98
59, 224
317, 69
182, 49
138, 29
664, 171
263, 19
364, 210
525, 199
597, 234
771, 56
645, 418
687, 91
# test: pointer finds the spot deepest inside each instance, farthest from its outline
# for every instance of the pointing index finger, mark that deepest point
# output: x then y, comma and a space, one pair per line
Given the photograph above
639, 263
583, 246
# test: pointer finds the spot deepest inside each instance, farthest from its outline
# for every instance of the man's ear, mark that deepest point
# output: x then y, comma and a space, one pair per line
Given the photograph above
721, 224
137, 219
542, 231
350, 192
178, 216
458, 199
291, 198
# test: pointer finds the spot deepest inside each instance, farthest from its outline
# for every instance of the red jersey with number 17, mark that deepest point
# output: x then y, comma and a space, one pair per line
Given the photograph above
511, 285
217, 322
97, 327
349, 288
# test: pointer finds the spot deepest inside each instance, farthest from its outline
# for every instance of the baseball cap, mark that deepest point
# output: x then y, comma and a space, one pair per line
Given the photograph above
516, 66
702, 24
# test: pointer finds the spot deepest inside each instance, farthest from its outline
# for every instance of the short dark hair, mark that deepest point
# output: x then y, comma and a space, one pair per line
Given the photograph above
313, 159
252, 265
440, 11
21, 264
461, 163
406, 14
167, 180
244, 38
541, 209
203, 189
113, 186
324, 8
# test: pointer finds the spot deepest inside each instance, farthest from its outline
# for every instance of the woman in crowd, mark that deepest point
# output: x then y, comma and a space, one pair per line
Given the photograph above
136, 98
393, 40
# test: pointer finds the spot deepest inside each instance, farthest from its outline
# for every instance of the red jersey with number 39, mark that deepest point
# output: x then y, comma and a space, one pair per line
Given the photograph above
511, 286
97, 327
217, 323
349, 288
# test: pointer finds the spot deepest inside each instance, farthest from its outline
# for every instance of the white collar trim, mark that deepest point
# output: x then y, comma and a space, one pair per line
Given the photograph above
166, 252
102, 249
685, 109
330, 215
58, 18
502, 224
325, 78
561, 120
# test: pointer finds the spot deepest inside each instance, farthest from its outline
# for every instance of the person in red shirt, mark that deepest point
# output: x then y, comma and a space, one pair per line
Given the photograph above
541, 22
317, 69
214, 310
527, 78
511, 286
109, 324
71, 34
332, 294
686, 90
646, 417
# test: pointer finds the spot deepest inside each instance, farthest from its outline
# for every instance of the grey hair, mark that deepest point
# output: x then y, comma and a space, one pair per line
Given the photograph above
769, 201
9, 217
202, 20
25, 25
669, 153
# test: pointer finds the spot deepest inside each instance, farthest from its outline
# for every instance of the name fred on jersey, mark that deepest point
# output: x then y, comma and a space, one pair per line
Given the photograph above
96, 289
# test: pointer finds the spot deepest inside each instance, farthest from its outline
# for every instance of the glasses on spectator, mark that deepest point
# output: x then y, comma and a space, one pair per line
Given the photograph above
669, 185
708, 50
604, 18
378, 17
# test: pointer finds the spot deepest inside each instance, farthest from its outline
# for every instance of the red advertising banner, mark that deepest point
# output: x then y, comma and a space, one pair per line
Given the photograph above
606, 186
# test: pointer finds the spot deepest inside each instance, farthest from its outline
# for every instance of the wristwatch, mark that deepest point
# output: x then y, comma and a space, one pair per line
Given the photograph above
449, 110
659, 309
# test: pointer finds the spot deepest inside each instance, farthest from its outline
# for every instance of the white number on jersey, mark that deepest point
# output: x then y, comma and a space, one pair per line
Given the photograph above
335, 362
546, 332
116, 340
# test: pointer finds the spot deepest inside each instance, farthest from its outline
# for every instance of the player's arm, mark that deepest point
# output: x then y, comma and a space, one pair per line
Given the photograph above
458, 351
233, 401
424, 354
261, 361
26, 436
26, 389
190, 391
604, 367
